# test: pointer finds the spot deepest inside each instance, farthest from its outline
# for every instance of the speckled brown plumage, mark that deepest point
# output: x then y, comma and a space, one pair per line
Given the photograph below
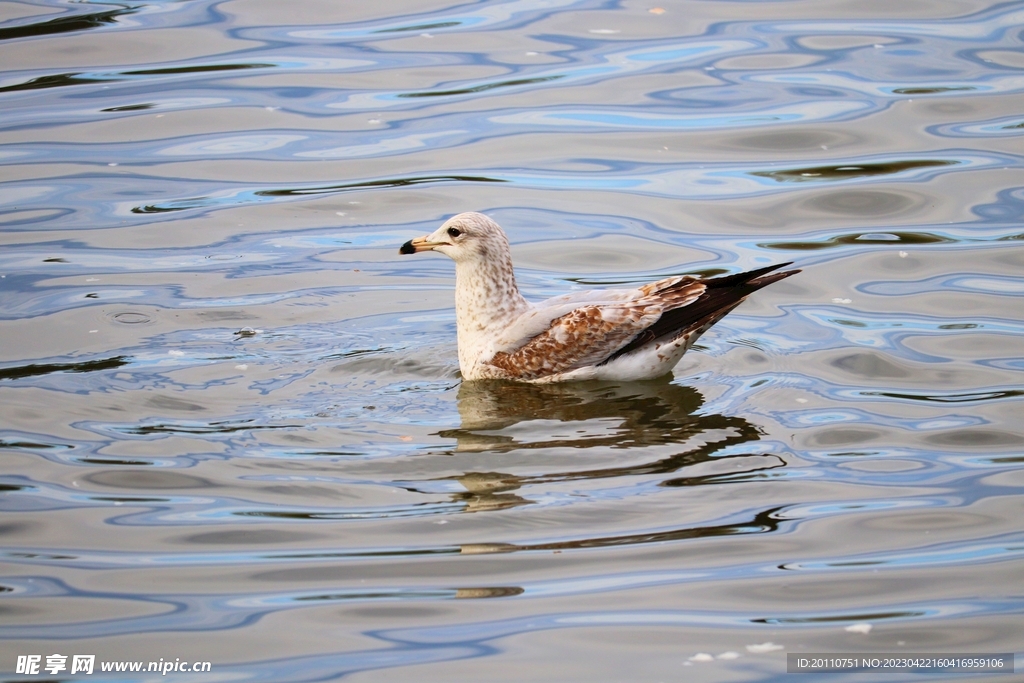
584, 336
603, 334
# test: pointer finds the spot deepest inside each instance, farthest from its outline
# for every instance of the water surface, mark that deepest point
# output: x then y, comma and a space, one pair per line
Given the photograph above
231, 419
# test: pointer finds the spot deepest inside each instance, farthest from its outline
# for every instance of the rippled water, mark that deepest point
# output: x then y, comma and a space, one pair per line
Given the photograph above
319, 497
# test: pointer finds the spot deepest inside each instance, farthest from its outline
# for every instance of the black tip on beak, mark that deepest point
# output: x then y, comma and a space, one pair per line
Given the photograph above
407, 248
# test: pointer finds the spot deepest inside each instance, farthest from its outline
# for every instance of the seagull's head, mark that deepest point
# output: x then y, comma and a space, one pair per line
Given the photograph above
464, 238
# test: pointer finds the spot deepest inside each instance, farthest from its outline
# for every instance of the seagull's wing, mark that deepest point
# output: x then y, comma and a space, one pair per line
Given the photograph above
595, 326
540, 316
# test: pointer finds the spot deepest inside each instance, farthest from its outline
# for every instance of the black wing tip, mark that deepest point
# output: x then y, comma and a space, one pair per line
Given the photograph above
721, 295
754, 279
765, 280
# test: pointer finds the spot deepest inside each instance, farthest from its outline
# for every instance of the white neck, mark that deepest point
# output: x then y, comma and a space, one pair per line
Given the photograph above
487, 300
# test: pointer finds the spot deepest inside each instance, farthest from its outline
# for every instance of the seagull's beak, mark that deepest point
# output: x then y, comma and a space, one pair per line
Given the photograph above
419, 244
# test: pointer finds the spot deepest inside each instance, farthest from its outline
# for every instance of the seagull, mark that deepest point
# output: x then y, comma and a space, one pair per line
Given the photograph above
603, 334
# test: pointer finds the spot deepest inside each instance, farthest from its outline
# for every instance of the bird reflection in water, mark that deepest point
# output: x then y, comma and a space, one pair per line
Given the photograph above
499, 417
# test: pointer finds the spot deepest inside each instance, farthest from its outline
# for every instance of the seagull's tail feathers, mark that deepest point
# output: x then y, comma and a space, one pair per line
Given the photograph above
720, 296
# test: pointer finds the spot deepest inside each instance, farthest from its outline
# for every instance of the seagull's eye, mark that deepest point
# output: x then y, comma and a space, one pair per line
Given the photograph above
454, 232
